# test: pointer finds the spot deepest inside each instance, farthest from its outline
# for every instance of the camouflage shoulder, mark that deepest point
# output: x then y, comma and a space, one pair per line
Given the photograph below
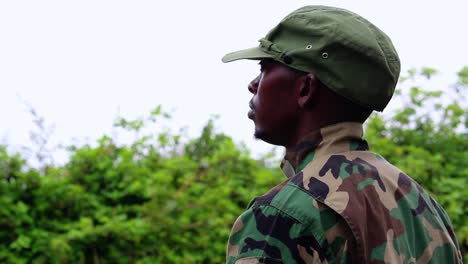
364, 188
289, 225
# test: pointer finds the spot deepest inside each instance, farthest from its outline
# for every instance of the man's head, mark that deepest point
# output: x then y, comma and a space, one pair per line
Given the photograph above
287, 103
323, 64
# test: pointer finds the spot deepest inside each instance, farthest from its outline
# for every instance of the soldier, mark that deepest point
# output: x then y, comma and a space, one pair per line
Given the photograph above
323, 71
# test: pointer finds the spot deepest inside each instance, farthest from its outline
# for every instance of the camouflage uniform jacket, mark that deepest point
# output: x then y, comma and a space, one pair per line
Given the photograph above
342, 203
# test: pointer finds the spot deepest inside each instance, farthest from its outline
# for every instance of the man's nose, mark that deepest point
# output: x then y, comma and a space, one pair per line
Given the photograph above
253, 85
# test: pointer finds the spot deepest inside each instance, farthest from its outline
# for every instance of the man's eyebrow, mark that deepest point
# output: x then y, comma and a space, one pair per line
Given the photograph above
265, 61
261, 63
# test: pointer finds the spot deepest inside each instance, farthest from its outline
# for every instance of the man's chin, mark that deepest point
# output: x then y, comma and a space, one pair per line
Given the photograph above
258, 134
261, 135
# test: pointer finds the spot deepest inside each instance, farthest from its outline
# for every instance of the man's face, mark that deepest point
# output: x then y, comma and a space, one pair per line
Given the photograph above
274, 107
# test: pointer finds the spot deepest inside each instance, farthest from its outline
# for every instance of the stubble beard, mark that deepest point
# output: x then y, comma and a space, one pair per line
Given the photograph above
258, 134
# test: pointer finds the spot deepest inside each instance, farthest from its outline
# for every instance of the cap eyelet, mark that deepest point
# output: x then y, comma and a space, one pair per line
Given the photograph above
325, 55
309, 47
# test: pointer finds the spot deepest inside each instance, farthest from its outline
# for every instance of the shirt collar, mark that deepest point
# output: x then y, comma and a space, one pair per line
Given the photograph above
340, 137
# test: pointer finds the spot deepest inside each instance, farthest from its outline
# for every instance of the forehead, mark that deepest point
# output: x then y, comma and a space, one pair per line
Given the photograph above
269, 61
272, 63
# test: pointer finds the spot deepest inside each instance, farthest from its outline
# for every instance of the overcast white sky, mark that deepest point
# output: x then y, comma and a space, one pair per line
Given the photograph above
78, 62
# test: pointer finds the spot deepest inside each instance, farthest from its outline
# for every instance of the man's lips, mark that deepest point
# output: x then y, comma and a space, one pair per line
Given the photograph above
251, 105
251, 113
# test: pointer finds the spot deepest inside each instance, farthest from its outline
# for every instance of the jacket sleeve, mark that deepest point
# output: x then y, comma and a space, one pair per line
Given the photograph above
265, 234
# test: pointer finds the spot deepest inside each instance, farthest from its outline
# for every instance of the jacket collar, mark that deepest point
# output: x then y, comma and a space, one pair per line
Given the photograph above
340, 137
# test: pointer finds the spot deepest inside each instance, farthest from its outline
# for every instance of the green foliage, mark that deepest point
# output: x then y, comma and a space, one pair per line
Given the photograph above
168, 198
463, 76
154, 200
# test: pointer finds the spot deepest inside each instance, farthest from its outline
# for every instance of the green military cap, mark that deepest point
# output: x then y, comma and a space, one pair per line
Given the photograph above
346, 52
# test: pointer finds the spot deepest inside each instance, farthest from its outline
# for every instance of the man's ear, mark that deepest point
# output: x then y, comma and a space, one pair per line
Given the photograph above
308, 89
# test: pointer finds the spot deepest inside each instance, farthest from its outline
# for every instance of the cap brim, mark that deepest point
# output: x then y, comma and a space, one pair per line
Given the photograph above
253, 54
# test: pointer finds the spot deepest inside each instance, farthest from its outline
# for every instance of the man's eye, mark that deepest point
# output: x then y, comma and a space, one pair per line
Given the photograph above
262, 66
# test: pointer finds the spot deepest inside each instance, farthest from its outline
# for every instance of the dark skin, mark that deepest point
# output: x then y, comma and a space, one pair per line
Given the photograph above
288, 104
